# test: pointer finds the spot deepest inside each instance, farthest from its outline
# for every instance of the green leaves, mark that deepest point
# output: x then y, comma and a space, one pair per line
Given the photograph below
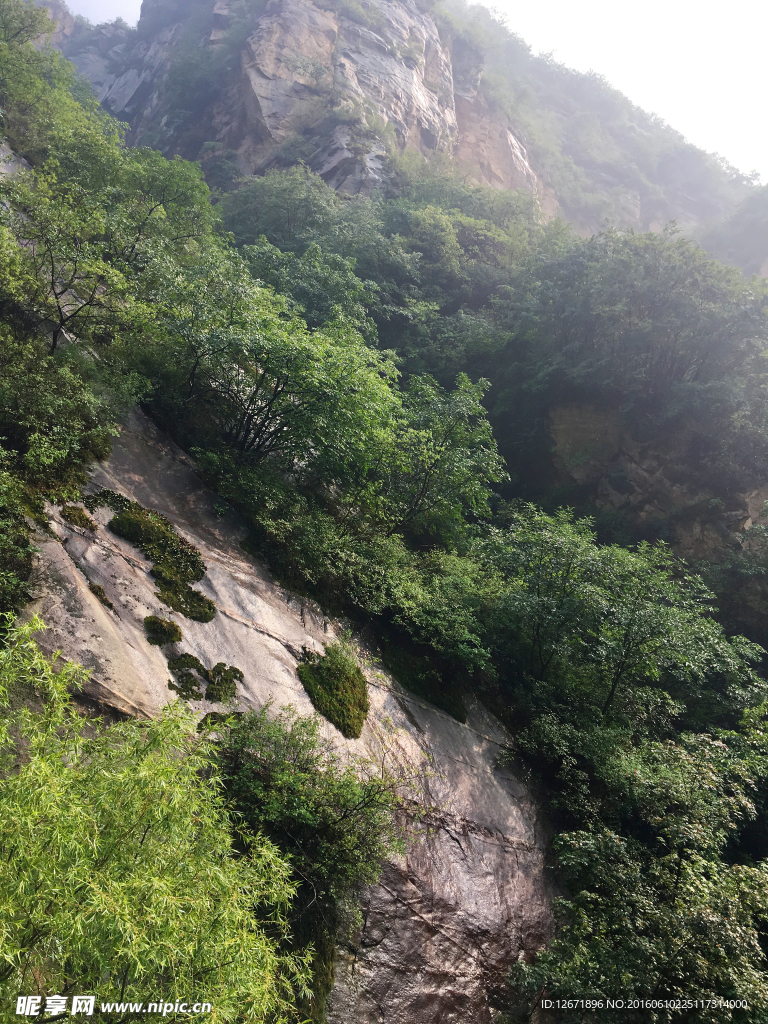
662, 929
118, 873
273, 391
601, 623
334, 817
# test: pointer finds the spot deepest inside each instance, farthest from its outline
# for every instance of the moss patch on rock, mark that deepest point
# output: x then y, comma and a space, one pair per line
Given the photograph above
106, 498
223, 680
337, 687
98, 590
161, 631
176, 562
77, 516
190, 674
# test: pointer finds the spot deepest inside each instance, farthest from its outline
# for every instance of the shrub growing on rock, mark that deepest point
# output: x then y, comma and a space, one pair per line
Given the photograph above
100, 592
161, 631
336, 687
334, 818
223, 680
190, 674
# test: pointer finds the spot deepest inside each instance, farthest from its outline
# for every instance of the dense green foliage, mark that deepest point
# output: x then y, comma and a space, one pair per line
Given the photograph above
119, 876
337, 687
334, 818
329, 368
162, 631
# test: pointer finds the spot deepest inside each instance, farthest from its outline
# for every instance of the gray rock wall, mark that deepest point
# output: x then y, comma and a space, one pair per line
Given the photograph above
394, 70
469, 896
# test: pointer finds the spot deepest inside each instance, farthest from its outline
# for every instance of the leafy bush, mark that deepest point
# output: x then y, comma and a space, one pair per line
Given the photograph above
337, 687
694, 915
161, 631
334, 818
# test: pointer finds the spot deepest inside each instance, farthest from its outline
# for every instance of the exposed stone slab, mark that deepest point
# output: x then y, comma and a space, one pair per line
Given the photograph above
469, 895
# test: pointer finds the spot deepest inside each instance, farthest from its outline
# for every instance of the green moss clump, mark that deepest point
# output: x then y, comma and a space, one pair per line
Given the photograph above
98, 590
161, 631
182, 598
187, 661
176, 562
188, 684
77, 516
223, 679
337, 687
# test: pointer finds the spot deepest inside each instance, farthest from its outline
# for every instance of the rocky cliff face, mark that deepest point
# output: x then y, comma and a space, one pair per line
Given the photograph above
651, 485
344, 84
653, 481
385, 67
469, 896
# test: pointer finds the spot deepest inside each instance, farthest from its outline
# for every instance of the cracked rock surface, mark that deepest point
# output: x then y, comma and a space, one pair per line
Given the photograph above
395, 69
469, 896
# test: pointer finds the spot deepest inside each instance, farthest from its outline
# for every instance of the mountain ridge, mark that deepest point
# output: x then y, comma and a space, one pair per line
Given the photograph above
349, 89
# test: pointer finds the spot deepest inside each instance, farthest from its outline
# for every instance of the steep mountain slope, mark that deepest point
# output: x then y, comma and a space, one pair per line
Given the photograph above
742, 239
248, 84
469, 896
266, 352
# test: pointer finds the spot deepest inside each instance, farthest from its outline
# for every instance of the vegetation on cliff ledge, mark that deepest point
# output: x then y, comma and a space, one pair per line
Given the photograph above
330, 371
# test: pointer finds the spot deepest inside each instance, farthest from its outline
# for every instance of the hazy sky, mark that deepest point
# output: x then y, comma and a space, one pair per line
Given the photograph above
700, 67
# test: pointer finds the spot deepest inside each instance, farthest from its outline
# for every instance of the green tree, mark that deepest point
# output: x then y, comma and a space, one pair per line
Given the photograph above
15, 549
663, 919
323, 286
274, 392
436, 469
594, 622
648, 325
118, 874
289, 207
85, 251
334, 818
